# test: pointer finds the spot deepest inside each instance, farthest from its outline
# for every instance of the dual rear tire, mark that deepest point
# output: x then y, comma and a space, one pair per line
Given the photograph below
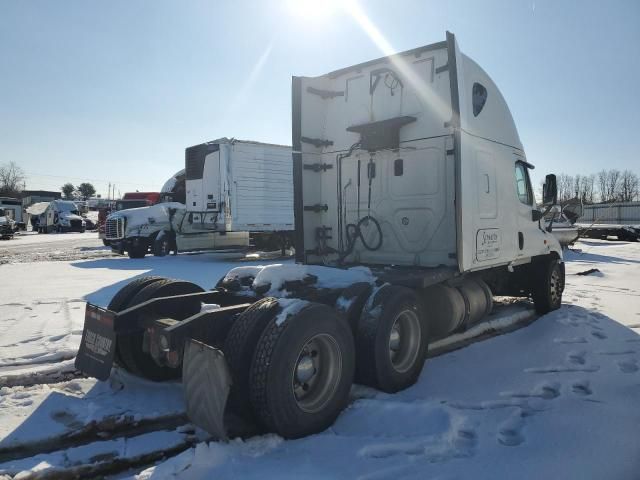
293, 363
391, 340
292, 373
131, 352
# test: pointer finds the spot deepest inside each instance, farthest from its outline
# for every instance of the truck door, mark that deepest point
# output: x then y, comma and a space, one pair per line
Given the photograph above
527, 234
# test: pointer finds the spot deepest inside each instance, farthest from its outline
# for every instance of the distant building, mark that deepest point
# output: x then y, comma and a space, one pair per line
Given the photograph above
29, 197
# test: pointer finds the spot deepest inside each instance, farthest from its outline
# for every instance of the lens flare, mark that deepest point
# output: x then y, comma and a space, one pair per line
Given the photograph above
423, 90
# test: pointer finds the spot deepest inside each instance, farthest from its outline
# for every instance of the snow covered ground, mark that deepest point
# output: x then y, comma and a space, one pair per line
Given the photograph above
30, 247
558, 398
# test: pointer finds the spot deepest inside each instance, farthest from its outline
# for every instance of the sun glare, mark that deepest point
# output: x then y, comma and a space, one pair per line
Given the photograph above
313, 10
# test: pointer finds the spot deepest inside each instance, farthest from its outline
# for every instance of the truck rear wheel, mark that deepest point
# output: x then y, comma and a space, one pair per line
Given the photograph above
548, 286
121, 299
125, 294
391, 341
239, 348
130, 346
302, 372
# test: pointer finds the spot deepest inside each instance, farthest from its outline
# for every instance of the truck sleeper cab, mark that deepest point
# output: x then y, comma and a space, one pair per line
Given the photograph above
413, 208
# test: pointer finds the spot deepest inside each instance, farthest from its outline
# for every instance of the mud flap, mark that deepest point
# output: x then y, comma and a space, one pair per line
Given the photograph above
206, 382
98, 344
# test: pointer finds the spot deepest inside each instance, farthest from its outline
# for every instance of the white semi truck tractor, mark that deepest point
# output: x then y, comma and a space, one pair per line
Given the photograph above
413, 208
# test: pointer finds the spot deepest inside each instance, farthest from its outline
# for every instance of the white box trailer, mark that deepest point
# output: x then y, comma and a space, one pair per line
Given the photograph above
407, 168
239, 185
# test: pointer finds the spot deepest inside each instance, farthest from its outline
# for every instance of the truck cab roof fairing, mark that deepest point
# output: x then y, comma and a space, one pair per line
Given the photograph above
494, 122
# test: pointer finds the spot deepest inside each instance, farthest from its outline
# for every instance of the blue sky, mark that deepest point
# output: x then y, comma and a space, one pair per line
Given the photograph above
114, 91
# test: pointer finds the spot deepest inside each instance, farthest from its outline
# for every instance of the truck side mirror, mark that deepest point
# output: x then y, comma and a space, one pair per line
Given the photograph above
549, 190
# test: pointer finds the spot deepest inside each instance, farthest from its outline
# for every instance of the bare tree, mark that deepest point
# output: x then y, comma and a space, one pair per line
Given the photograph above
565, 187
602, 185
587, 186
608, 185
628, 186
11, 179
577, 186
613, 181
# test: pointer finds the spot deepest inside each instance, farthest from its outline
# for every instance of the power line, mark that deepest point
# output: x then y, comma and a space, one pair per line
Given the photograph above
66, 177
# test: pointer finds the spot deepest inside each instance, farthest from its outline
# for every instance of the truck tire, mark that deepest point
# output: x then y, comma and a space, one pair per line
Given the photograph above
129, 346
351, 303
302, 372
548, 286
138, 248
239, 347
162, 246
392, 340
121, 299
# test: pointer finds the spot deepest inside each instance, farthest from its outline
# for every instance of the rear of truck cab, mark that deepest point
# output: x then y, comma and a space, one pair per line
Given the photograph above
437, 189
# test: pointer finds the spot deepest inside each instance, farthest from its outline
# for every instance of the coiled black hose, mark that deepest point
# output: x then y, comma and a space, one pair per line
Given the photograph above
354, 232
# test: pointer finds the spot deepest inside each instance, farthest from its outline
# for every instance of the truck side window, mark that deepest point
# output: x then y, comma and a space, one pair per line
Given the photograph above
523, 186
478, 98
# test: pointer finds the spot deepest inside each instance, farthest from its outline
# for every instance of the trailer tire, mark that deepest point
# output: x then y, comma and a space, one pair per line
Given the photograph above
394, 318
239, 347
317, 332
129, 346
548, 286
